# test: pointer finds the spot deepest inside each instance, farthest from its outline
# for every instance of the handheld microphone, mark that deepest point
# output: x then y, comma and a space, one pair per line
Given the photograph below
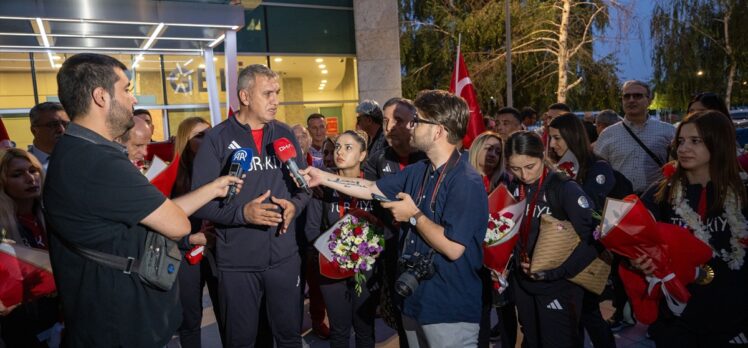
286, 152
240, 163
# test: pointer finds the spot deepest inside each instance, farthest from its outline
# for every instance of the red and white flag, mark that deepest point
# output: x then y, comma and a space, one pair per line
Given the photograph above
25, 274
462, 86
5, 142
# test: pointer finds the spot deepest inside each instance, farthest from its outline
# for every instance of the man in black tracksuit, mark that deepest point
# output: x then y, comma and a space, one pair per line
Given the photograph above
256, 251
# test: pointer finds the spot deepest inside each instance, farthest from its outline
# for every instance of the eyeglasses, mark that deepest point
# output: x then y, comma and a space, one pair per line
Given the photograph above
634, 96
415, 121
54, 124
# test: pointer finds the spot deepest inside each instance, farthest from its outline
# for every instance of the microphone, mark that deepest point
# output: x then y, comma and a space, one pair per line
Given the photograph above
240, 163
286, 152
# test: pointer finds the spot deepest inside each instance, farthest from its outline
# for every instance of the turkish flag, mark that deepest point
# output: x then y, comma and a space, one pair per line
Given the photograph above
462, 86
25, 274
164, 181
5, 142
162, 149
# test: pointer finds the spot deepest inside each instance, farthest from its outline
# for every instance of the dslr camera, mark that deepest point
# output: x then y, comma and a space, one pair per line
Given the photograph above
414, 269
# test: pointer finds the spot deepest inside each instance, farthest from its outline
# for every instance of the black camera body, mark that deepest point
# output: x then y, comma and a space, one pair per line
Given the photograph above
413, 269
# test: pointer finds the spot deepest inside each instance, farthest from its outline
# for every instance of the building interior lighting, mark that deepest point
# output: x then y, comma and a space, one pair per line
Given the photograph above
51, 59
278, 60
322, 66
42, 32
217, 41
153, 37
319, 60
323, 81
324, 72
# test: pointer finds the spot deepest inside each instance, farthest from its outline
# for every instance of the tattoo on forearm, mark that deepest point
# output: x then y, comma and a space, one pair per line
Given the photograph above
347, 183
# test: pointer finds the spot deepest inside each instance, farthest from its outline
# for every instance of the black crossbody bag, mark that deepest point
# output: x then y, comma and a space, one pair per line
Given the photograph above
158, 266
644, 147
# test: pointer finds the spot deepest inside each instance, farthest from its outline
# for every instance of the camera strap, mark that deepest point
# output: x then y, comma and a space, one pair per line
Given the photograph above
454, 158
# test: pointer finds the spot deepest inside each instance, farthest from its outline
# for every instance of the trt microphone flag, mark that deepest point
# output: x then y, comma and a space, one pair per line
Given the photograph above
462, 86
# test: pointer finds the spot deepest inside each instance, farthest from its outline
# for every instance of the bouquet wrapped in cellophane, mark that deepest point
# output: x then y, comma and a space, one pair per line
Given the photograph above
350, 247
504, 217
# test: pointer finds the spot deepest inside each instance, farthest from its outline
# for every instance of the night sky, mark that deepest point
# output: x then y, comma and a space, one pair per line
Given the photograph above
629, 40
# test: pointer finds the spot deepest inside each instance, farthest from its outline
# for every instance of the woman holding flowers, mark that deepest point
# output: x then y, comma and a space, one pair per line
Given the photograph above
705, 195
549, 306
487, 157
348, 305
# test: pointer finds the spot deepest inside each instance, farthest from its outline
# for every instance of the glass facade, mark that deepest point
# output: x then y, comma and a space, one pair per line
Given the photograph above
317, 68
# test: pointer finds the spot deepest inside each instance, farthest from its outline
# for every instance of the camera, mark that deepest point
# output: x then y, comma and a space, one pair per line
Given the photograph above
414, 269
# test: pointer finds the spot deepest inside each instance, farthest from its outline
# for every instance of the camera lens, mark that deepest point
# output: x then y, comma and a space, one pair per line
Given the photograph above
406, 284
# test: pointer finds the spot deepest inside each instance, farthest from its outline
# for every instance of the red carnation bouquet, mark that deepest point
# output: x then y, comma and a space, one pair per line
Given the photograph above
504, 217
630, 230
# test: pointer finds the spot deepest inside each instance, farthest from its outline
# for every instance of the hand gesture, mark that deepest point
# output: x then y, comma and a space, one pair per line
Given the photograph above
312, 175
403, 209
4, 311
221, 184
289, 210
265, 214
198, 238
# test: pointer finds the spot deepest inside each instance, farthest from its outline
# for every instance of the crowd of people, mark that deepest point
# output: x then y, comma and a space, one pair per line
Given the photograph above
402, 176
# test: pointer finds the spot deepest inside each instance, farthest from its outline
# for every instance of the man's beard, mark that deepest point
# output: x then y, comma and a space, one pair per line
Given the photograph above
119, 119
420, 144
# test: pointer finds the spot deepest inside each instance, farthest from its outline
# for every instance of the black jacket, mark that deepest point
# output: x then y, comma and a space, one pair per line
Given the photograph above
241, 246
573, 205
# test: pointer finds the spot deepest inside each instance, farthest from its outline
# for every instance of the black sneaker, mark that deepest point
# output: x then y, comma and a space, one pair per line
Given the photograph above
495, 333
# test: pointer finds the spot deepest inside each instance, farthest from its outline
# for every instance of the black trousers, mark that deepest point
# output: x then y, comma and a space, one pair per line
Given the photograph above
676, 333
240, 295
550, 320
507, 315
592, 321
192, 279
346, 310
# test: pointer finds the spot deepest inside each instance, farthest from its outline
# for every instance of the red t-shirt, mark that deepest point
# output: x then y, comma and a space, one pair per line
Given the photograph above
403, 162
257, 135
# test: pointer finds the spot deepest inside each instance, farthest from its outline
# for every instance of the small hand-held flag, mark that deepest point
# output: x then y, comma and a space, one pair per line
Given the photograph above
462, 86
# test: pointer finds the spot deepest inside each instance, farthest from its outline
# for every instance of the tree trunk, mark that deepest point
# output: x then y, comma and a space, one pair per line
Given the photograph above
730, 56
563, 52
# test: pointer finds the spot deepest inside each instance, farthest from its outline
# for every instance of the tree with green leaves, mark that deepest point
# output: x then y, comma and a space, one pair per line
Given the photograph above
700, 45
551, 53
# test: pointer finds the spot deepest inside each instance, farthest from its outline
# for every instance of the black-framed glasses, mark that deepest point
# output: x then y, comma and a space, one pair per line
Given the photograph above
54, 124
634, 96
415, 121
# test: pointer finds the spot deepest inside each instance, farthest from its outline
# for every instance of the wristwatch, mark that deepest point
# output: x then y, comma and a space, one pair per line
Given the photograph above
414, 219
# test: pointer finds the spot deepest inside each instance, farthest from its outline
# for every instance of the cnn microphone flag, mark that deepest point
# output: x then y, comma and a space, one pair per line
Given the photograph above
462, 86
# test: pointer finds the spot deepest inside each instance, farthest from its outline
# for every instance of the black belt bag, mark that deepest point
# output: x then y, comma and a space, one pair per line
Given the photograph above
158, 266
